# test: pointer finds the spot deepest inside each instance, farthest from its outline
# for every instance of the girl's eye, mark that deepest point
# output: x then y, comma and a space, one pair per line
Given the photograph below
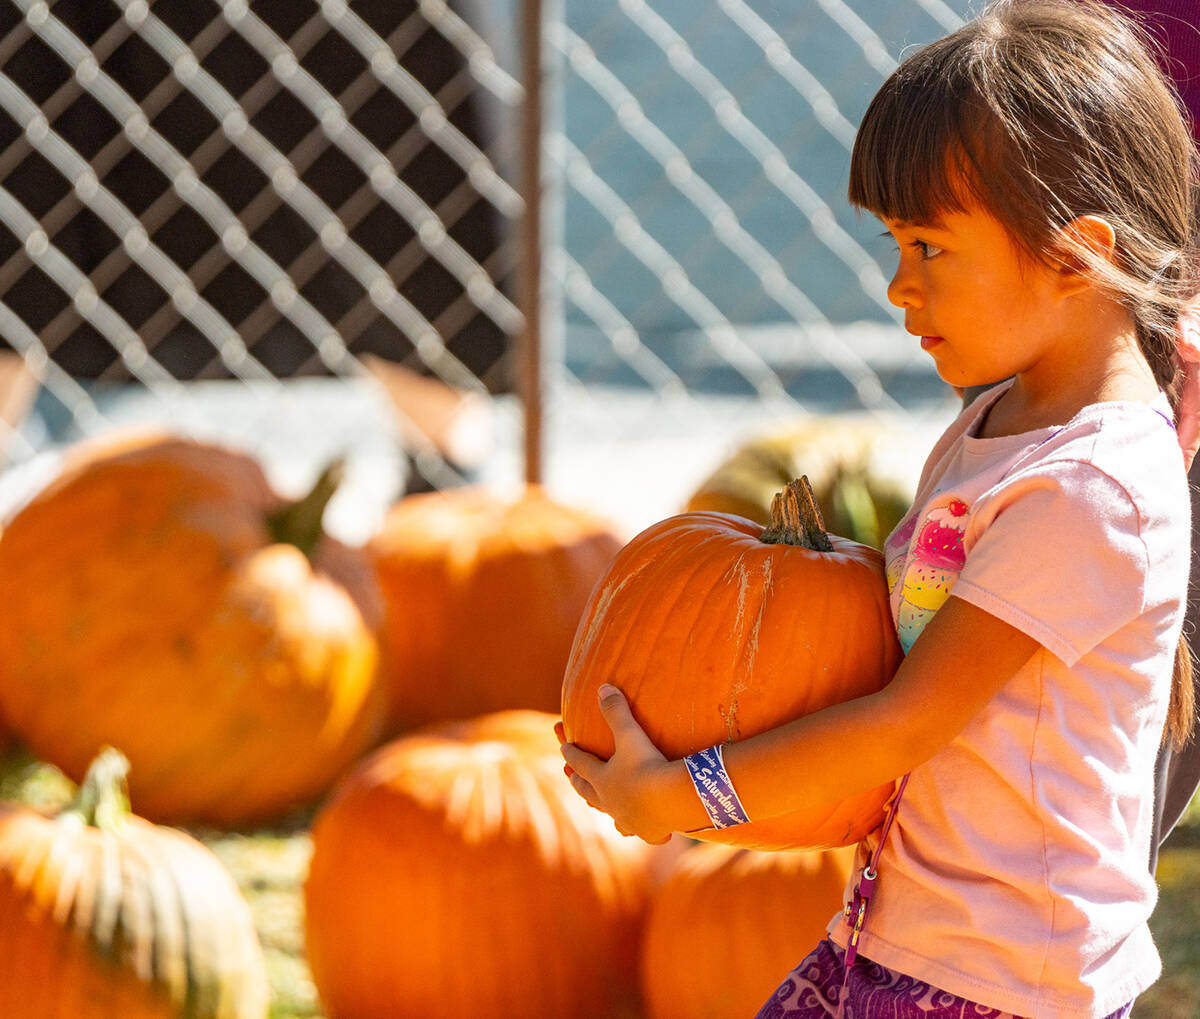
923, 248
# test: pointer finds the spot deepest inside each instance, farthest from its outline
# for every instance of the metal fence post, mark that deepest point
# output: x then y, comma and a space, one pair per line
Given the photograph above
531, 382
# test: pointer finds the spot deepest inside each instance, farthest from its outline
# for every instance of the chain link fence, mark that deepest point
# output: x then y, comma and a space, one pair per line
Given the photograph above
711, 262
272, 222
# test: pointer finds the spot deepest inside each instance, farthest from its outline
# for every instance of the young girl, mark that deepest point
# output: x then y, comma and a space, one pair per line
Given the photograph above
1041, 185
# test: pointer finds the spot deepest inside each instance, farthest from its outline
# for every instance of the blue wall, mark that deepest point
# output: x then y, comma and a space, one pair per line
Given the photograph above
775, 107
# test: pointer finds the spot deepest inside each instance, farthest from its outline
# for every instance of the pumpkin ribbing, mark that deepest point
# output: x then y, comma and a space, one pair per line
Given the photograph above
483, 593
456, 872
120, 918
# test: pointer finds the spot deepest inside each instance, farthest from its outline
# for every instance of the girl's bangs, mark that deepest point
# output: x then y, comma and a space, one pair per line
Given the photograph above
910, 160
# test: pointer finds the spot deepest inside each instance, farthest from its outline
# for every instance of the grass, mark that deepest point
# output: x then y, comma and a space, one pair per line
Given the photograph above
269, 866
1176, 925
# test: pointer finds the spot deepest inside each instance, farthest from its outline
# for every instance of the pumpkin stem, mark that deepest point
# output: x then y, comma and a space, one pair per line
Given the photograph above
796, 519
299, 523
103, 797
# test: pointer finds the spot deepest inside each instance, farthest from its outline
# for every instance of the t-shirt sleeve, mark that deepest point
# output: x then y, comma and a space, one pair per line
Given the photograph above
1058, 553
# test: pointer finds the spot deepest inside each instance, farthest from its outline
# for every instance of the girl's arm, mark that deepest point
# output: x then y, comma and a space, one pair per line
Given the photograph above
954, 668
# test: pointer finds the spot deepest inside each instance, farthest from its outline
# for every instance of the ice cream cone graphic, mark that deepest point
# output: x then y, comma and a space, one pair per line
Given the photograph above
933, 565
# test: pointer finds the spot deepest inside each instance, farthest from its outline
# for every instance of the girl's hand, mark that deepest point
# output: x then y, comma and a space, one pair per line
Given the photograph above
631, 786
1187, 356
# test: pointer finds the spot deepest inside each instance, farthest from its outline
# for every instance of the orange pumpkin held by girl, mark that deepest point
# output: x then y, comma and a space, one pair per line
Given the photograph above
715, 630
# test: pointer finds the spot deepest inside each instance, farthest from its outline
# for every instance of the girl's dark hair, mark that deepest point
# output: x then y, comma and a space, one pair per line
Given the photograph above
1042, 111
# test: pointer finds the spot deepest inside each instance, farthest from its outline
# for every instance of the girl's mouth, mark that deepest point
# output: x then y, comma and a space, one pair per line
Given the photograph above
930, 341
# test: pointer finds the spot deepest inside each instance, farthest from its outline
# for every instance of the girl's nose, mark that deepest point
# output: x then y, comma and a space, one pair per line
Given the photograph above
903, 291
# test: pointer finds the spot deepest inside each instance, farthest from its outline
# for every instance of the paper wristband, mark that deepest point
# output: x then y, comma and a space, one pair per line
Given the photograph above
716, 792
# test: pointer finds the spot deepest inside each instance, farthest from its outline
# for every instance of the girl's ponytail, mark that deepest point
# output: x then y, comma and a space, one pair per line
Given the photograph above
1181, 712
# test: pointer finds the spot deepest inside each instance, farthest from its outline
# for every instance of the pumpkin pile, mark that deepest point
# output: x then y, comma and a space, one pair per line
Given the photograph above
172, 605
103, 914
717, 629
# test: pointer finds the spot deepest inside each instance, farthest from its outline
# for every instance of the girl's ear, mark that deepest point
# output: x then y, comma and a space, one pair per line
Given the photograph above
1079, 247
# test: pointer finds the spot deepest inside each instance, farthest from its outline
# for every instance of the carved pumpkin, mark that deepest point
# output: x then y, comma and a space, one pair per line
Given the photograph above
749, 918
863, 472
103, 914
456, 873
173, 605
716, 630
482, 597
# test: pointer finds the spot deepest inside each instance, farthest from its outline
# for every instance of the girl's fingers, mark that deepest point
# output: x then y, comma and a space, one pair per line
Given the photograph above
579, 761
560, 732
1187, 357
1188, 424
584, 788
653, 840
615, 709
1187, 333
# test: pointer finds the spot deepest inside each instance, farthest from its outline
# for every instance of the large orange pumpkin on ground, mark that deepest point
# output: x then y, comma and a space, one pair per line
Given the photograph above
482, 595
457, 873
716, 630
167, 601
103, 914
749, 918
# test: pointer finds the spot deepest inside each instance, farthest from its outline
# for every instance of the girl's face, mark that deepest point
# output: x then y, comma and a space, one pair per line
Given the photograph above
983, 309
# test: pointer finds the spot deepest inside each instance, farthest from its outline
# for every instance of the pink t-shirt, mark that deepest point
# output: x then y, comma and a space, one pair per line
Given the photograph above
1015, 874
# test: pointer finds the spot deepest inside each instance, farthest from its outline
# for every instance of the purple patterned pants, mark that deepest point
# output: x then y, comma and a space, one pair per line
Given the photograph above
812, 989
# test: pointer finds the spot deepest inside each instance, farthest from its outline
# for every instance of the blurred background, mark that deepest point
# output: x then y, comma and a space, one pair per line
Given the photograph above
301, 228
237, 218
